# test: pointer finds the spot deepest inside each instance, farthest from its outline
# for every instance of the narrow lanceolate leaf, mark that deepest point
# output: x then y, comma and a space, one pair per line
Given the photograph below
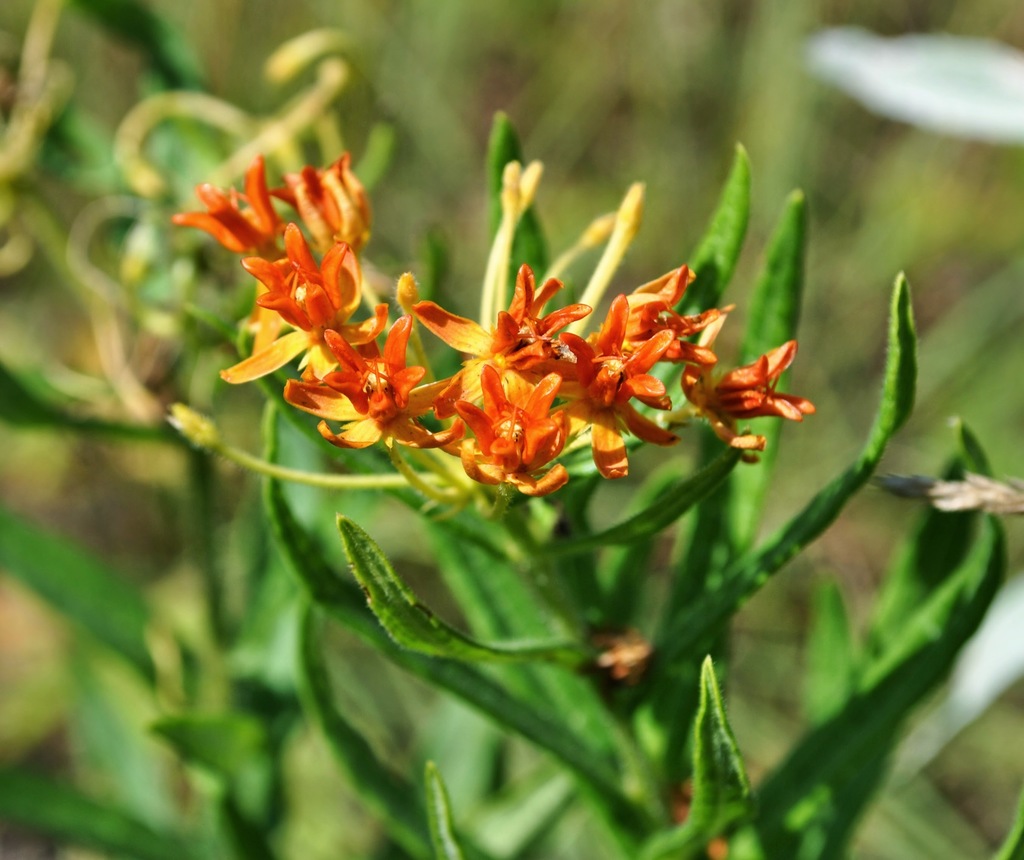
721, 789
220, 743
831, 760
442, 833
342, 600
79, 586
528, 245
774, 314
412, 625
831, 658
668, 507
750, 572
715, 258
1013, 847
71, 818
387, 794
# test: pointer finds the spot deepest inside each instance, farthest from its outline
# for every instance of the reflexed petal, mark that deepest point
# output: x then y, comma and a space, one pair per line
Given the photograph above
608, 448
458, 332
275, 356
643, 428
320, 400
554, 479
359, 434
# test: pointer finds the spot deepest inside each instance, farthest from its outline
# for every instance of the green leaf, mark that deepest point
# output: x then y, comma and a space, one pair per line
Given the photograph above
1013, 847
27, 405
166, 48
70, 817
721, 789
831, 659
774, 314
442, 833
669, 506
390, 796
412, 625
747, 574
528, 245
832, 758
342, 599
220, 743
715, 258
79, 586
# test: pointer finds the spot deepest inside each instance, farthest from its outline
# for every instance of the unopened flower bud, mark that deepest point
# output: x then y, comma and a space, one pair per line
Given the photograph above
197, 428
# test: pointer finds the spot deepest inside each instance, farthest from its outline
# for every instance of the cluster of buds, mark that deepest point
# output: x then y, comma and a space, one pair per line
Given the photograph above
532, 386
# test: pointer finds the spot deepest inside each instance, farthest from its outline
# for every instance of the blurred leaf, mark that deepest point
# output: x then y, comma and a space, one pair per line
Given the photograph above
377, 155
721, 789
166, 48
412, 625
950, 84
831, 658
669, 506
747, 574
1013, 847
389, 795
815, 782
64, 814
989, 664
715, 258
510, 824
442, 833
79, 586
220, 743
23, 404
528, 245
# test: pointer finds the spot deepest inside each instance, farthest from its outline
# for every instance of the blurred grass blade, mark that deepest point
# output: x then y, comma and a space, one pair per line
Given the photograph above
831, 659
388, 795
721, 788
165, 48
950, 84
71, 818
378, 154
836, 756
412, 625
528, 245
220, 743
80, 587
715, 258
669, 506
747, 574
1013, 847
442, 833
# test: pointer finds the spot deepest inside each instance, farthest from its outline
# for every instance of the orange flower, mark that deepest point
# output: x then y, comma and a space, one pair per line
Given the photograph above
608, 379
651, 310
375, 396
521, 340
312, 298
747, 392
254, 229
515, 438
332, 204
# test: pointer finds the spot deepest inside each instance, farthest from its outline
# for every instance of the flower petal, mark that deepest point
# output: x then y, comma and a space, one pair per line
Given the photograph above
274, 356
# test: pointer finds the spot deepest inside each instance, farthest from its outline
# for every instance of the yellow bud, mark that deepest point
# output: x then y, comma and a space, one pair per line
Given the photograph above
407, 292
198, 429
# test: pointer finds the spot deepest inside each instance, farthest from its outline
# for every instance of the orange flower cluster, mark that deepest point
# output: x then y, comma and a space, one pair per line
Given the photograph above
528, 389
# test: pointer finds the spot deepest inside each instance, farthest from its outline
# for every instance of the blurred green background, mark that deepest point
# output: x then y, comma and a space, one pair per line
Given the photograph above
604, 93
